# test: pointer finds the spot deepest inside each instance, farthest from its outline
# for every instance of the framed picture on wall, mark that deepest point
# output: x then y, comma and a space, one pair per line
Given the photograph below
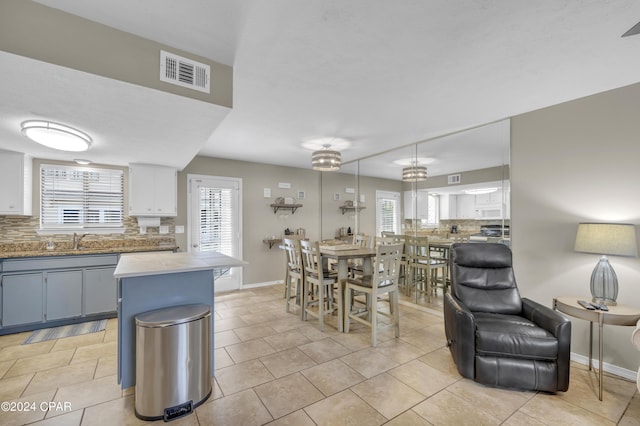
301, 195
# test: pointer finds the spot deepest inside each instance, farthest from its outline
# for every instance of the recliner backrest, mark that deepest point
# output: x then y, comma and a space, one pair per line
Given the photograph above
482, 278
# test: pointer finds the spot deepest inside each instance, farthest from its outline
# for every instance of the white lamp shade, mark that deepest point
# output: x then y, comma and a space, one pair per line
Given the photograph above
326, 160
616, 239
414, 173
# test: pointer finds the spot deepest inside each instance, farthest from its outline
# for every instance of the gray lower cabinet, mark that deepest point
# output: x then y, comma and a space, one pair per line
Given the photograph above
22, 299
64, 294
36, 292
99, 291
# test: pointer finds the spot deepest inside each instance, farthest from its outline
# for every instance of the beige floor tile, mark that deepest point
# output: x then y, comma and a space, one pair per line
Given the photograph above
112, 324
408, 418
246, 351
388, 395
221, 359
12, 387
500, 403
216, 392
287, 339
76, 341
441, 360
422, 377
424, 340
399, 350
549, 409
119, 411
100, 350
354, 340
333, 376
40, 362
61, 376
243, 408
344, 408
253, 332
70, 419
583, 392
520, 419
22, 351
110, 336
368, 362
312, 333
86, 394
14, 339
259, 317
242, 376
632, 415
225, 338
445, 408
286, 362
26, 416
297, 418
324, 350
228, 324
288, 394
290, 322
107, 366
5, 366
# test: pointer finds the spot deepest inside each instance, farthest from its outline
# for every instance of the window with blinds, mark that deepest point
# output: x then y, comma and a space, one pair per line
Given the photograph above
216, 220
387, 212
80, 197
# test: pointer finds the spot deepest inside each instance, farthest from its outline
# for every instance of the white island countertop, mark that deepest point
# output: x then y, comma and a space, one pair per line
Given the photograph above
142, 264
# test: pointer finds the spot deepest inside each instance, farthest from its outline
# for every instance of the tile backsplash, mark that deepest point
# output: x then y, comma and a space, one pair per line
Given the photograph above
23, 231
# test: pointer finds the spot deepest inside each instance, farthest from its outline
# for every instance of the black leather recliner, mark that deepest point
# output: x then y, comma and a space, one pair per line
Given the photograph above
495, 337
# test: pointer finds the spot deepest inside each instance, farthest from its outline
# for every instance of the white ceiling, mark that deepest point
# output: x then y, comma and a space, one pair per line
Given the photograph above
381, 74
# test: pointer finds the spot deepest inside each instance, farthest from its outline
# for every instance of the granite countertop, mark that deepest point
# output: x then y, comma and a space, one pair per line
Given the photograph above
143, 264
84, 251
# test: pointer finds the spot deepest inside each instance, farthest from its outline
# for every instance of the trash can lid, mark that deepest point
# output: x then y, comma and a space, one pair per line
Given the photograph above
173, 315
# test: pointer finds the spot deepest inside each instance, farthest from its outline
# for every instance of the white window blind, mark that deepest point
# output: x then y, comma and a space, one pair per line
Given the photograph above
80, 197
216, 220
387, 212
433, 210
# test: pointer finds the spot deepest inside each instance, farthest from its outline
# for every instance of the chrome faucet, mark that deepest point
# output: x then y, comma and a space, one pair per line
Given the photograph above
76, 240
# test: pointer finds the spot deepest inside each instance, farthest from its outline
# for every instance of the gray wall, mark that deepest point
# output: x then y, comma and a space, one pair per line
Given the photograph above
258, 221
575, 162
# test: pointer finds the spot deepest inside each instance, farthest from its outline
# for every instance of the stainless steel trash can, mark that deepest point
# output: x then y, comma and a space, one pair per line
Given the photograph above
173, 361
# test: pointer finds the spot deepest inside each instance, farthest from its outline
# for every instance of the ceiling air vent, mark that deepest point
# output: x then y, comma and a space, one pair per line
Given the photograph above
453, 179
184, 72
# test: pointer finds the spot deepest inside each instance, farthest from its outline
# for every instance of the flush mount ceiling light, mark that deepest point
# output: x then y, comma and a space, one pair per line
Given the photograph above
414, 161
414, 173
326, 159
479, 191
56, 136
82, 161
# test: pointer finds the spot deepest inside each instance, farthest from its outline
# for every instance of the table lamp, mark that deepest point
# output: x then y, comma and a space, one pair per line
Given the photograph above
615, 239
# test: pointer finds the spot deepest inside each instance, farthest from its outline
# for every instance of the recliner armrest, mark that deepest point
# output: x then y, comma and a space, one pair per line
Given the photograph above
460, 330
558, 325
544, 317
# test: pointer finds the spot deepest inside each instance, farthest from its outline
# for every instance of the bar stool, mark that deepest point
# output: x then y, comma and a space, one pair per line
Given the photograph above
318, 286
295, 272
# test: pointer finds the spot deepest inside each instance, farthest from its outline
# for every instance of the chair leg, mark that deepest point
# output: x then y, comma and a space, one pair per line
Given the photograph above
347, 306
322, 296
374, 320
393, 301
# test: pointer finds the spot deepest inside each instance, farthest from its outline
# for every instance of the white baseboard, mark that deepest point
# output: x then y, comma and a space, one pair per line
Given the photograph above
264, 284
608, 368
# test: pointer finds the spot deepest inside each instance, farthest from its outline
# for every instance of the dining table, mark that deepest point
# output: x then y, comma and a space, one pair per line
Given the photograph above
342, 254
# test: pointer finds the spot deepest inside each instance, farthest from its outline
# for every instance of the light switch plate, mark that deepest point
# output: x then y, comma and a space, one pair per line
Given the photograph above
267, 193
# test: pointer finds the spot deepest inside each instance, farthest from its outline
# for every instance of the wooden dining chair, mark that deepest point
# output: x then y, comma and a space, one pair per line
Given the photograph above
355, 265
383, 282
318, 293
294, 280
423, 269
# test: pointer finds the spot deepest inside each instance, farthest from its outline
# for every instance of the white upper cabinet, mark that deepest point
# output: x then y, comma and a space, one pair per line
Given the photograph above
152, 190
15, 191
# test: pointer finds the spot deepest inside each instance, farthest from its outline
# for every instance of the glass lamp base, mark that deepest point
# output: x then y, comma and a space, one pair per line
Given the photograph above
604, 283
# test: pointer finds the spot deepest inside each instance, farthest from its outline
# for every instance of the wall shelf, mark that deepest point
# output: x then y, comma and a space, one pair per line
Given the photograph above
351, 208
292, 207
272, 242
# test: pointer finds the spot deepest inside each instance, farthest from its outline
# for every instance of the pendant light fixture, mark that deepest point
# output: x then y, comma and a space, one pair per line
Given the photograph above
414, 173
56, 136
326, 159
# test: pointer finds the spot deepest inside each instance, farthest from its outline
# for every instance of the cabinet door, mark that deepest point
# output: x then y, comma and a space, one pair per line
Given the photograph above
64, 294
165, 191
466, 207
141, 190
15, 191
99, 291
22, 299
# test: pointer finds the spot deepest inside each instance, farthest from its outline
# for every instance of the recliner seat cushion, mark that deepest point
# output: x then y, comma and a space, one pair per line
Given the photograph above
513, 336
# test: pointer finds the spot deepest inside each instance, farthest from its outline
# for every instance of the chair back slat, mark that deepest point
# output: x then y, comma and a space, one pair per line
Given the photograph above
294, 258
311, 259
388, 261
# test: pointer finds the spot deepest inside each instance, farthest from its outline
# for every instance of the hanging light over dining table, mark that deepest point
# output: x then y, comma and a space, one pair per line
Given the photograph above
326, 159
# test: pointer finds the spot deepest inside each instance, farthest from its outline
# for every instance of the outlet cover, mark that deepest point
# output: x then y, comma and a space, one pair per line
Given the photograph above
179, 229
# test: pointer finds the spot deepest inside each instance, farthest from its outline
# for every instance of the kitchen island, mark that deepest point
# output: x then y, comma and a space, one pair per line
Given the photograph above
151, 281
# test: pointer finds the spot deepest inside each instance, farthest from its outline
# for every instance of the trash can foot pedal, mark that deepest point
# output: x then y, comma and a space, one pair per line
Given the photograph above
172, 413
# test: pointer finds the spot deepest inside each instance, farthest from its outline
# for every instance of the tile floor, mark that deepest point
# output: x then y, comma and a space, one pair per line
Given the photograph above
272, 368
